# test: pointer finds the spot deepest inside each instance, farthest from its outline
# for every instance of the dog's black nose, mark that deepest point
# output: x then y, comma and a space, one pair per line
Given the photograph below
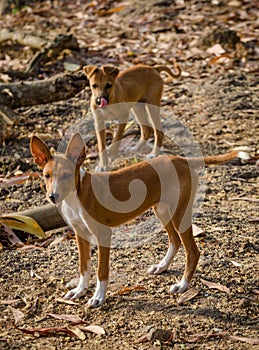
53, 197
102, 101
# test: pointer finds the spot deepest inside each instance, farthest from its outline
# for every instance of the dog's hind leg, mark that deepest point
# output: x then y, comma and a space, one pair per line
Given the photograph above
174, 240
153, 113
146, 128
182, 221
192, 258
114, 148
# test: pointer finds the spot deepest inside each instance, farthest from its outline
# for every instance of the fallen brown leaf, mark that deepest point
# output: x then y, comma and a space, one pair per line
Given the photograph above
65, 301
218, 286
195, 337
251, 341
70, 318
77, 331
10, 235
188, 295
197, 230
37, 332
93, 329
9, 302
110, 11
18, 180
128, 290
18, 315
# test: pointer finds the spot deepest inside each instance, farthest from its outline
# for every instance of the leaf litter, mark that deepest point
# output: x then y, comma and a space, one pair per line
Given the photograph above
216, 100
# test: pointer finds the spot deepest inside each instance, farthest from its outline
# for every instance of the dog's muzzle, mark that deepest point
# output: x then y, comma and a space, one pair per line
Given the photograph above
53, 197
102, 102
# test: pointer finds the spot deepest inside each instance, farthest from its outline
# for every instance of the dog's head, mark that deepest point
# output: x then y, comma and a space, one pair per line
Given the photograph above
61, 172
101, 82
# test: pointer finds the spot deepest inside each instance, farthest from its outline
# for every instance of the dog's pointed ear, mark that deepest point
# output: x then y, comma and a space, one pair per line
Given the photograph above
40, 152
111, 70
89, 71
76, 149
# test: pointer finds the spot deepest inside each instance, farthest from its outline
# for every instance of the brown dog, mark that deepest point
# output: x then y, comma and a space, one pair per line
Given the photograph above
140, 83
92, 203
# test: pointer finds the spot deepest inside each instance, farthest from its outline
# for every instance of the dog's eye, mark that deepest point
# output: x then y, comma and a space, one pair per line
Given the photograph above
94, 86
108, 86
47, 176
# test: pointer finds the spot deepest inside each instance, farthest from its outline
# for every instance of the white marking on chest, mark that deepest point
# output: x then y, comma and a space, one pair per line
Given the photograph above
73, 211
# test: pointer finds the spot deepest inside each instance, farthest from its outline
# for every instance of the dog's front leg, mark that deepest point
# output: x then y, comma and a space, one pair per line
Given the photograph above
114, 148
84, 250
101, 142
102, 277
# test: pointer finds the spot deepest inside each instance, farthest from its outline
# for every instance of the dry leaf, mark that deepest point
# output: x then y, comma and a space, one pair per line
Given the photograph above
23, 223
218, 286
188, 295
248, 199
9, 302
18, 315
93, 329
217, 58
70, 318
216, 49
235, 263
65, 301
29, 246
11, 236
18, 180
47, 331
77, 331
111, 11
197, 230
71, 67
195, 337
128, 290
251, 341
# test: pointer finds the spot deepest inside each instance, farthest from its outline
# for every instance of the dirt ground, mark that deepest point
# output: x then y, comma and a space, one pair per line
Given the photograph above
216, 99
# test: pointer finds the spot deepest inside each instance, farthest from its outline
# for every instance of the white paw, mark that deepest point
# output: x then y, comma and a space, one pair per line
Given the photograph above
81, 288
75, 293
93, 302
157, 269
99, 296
179, 287
151, 156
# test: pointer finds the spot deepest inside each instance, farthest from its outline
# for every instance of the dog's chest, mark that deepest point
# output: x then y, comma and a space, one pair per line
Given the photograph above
73, 212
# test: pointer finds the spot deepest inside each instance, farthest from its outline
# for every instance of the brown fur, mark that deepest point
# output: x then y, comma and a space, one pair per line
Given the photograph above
139, 83
170, 184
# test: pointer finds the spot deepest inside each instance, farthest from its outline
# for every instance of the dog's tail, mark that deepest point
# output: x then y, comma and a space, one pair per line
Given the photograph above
198, 162
168, 70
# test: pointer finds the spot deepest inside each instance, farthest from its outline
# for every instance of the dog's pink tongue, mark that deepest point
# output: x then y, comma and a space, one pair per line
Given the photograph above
103, 102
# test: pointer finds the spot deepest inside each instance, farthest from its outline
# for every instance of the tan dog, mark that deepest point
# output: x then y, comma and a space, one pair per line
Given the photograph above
92, 203
140, 83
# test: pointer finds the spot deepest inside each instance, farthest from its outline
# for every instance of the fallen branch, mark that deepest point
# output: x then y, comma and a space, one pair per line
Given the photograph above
24, 94
47, 216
